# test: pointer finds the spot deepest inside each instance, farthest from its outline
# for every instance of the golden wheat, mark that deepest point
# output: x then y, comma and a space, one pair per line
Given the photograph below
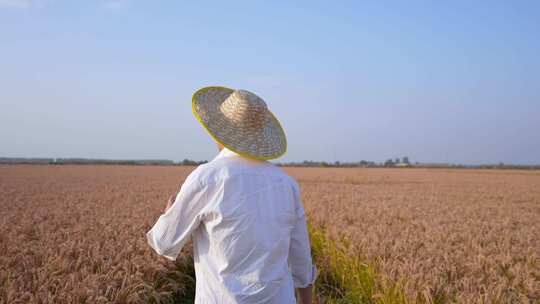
465, 236
77, 233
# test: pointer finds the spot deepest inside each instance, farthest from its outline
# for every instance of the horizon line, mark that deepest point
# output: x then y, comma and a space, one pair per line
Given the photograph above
321, 162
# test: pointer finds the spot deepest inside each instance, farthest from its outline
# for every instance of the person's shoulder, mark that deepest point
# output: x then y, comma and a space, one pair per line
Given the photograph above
203, 174
282, 174
215, 171
226, 169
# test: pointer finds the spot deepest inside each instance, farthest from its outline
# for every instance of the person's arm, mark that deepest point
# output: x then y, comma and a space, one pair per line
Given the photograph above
182, 216
170, 202
305, 295
303, 271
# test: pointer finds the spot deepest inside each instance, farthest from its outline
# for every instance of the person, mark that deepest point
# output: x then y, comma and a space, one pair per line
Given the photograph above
245, 216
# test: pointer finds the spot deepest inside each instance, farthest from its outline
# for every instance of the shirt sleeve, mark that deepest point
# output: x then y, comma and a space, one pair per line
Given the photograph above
174, 227
303, 271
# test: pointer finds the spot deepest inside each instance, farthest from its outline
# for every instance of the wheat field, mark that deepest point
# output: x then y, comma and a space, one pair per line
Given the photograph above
76, 234
464, 236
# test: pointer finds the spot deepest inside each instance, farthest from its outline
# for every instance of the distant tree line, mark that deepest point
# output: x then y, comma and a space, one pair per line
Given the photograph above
309, 163
404, 162
90, 161
397, 162
188, 162
389, 163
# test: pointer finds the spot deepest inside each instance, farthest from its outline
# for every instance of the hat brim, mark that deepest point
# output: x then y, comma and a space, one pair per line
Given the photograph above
268, 143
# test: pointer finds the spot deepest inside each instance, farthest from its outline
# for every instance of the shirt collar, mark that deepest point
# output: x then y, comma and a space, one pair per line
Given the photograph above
225, 153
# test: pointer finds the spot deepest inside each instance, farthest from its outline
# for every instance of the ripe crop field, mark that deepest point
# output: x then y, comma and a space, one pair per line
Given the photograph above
76, 234
465, 236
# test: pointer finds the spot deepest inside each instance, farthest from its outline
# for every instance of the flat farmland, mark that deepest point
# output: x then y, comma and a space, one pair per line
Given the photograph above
465, 236
76, 234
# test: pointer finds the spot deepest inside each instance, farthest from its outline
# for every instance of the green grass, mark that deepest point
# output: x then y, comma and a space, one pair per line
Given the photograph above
345, 278
174, 284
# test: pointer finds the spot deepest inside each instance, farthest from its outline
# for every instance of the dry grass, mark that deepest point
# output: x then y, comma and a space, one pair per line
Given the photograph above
76, 234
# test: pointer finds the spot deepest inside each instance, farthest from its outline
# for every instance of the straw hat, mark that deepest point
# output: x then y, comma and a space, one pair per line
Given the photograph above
240, 121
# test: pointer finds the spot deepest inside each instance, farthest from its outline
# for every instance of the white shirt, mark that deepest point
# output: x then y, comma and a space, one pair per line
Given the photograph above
249, 232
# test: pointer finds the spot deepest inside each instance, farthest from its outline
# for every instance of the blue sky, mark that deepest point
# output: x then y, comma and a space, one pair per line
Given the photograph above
349, 80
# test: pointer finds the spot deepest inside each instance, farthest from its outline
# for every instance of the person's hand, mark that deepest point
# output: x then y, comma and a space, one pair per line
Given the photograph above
170, 201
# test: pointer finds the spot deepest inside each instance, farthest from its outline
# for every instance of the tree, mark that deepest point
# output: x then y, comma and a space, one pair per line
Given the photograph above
188, 162
389, 163
397, 160
406, 160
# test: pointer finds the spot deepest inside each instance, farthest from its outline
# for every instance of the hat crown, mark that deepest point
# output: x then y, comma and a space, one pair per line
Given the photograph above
244, 107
